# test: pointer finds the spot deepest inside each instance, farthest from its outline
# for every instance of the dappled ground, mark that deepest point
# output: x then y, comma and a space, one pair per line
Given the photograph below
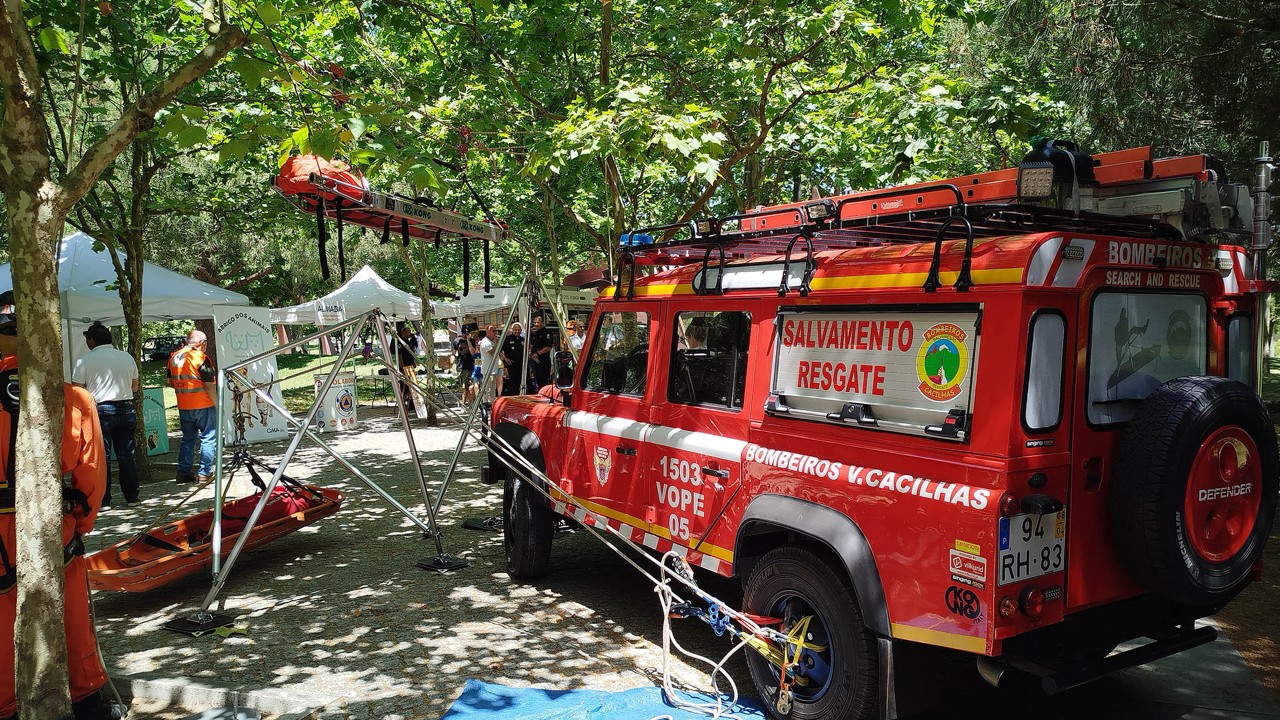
337, 615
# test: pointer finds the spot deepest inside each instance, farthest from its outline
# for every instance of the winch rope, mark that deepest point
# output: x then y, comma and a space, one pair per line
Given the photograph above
719, 615
715, 710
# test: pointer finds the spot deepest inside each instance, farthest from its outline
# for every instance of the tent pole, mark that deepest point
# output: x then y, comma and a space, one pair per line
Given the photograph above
442, 561
397, 374
475, 404
221, 578
217, 473
346, 464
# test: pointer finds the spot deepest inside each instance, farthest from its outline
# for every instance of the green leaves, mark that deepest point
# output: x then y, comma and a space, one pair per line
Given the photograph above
268, 13
54, 40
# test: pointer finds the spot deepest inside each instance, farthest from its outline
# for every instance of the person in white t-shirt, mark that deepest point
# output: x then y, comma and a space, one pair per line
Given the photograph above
579, 330
488, 365
111, 376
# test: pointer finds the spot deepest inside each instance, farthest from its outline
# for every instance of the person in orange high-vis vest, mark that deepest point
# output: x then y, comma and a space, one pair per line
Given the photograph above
192, 378
84, 461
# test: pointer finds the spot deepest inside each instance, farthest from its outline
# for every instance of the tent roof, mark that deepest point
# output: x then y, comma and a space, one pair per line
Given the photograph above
87, 281
365, 291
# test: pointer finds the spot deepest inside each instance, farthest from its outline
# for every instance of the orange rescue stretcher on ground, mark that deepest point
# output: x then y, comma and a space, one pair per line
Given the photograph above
184, 547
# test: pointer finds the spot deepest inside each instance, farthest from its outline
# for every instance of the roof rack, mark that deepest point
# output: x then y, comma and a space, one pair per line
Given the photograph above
1174, 194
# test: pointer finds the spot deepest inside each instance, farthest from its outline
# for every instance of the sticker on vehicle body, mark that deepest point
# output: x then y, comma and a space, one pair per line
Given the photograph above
603, 461
967, 565
942, 361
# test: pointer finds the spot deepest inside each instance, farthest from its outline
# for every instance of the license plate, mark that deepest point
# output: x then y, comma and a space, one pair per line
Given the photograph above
1031, 546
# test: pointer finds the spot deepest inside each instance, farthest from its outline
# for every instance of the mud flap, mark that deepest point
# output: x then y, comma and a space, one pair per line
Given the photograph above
888, 693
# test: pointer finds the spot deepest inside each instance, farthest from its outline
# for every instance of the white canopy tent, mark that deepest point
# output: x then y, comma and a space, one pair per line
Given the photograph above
87, 288
87, 285
365, 291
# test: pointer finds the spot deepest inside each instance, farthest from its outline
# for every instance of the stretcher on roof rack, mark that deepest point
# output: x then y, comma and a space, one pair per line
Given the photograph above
1127, 193
332, 190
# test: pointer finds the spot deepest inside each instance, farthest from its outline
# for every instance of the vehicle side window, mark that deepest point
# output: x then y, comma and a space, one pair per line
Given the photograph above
1042, 405
619, 357
709, 358
1240, 349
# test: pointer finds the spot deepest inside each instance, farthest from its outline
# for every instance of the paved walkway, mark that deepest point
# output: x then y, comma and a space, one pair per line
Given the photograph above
339, 618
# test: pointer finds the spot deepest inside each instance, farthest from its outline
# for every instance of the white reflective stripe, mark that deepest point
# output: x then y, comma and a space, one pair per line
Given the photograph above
1230, 282
605, 425
1244, 266
1070, 271
1042, 261
636, 535
721, 448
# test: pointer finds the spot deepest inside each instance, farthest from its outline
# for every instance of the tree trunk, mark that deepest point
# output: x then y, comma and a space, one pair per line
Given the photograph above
34, 226
133, 320
36, 209
422, 283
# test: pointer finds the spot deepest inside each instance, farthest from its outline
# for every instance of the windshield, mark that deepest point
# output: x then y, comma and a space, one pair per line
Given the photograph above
1138, 341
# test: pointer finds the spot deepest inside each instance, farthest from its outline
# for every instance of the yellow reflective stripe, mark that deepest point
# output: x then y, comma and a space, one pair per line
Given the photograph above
988, 276
955, 641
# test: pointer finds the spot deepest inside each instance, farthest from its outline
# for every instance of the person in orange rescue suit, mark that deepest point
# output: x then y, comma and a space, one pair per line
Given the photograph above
84, 462
192, 378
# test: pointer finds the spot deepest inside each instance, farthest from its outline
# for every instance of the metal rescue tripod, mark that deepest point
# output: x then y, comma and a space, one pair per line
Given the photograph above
374, 210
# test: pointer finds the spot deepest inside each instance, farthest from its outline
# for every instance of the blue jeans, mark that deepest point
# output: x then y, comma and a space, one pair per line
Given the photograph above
118, 422
199, 425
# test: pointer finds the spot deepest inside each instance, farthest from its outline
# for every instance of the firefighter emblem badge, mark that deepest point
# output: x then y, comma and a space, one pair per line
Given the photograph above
942, 361
602, 465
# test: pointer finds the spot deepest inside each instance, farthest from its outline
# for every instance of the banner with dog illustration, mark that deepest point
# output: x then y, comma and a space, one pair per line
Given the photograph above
241, 333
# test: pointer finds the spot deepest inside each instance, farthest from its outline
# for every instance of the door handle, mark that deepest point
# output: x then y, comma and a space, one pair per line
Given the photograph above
722, 474
624, 450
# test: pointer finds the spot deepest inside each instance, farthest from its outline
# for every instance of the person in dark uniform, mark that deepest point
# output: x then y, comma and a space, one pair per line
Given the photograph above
512, 356
541, 340
407, 352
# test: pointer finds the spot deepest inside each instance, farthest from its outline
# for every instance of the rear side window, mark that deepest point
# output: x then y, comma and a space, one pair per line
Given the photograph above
1042, 405
709, 360
619, 359
1137, 342
1240, 349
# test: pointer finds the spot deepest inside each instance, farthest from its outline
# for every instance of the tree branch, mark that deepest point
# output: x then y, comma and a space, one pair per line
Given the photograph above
256, 276
140, 116
573, 214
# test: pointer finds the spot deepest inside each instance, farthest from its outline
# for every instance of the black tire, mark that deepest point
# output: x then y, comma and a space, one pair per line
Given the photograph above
1181, 548
793, 582
527, 528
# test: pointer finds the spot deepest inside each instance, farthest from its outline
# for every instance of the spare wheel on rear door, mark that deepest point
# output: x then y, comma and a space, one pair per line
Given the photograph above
1194, 489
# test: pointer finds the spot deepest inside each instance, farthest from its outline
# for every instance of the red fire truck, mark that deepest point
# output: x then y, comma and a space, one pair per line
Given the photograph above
1014, 414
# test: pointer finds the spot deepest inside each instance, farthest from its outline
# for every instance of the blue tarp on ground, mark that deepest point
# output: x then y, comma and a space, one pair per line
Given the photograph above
498, 702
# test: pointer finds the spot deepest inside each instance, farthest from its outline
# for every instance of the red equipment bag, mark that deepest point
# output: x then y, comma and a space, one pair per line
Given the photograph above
283, 503
294, 178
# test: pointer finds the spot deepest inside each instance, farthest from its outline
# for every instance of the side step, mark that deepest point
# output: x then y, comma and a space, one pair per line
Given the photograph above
1141, 655
1054, 680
